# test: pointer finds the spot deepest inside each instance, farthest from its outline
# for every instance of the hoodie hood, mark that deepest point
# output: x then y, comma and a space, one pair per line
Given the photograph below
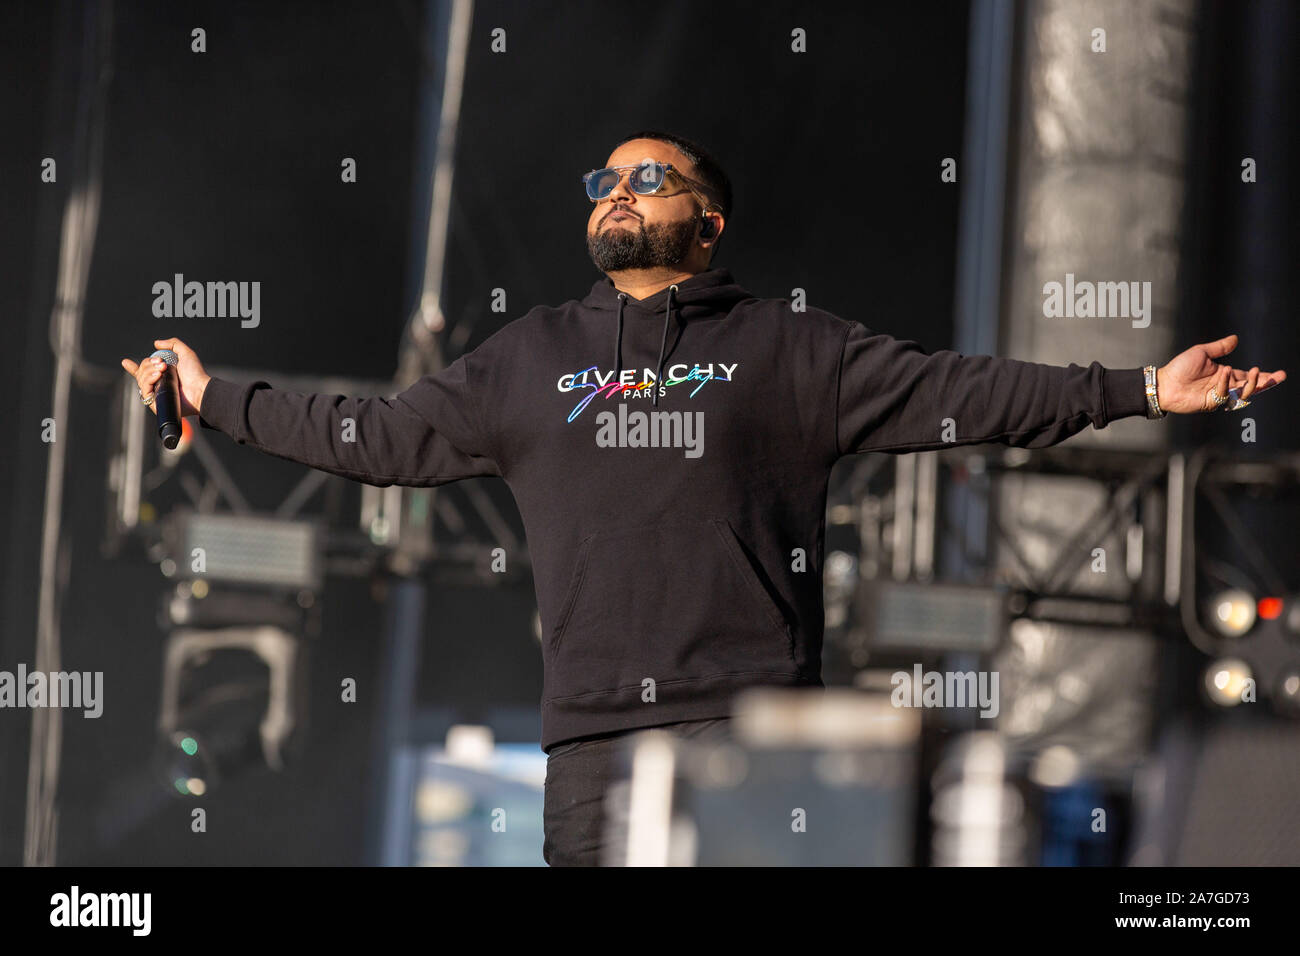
709, 293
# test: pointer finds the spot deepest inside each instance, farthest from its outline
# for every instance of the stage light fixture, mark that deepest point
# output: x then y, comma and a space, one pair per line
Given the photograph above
1232, 613
1226, 679
1269, 608
1288, 691
1293, 617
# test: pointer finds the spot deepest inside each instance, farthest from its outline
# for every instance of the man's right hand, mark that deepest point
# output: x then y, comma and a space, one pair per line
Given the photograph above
189, 375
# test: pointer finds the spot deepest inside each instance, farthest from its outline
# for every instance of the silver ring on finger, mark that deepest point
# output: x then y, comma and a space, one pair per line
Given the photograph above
1237, 401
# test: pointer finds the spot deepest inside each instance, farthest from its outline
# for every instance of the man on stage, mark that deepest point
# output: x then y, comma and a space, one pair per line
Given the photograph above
668, 439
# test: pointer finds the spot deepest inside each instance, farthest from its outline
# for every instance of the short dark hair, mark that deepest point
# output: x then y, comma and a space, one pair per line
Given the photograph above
707, 169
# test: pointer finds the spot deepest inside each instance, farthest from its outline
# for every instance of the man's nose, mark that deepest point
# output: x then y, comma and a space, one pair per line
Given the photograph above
620, 192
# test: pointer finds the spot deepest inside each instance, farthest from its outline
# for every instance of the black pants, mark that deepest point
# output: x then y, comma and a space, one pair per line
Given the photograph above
577, 776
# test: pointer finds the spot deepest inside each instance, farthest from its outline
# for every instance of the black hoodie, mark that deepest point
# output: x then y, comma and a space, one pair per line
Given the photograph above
665, 523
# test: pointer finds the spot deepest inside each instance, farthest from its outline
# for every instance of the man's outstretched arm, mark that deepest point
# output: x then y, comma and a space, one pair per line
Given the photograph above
895, 397
430, 434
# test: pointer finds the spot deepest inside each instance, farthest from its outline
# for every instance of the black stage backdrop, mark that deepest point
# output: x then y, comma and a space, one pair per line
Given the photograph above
225, 165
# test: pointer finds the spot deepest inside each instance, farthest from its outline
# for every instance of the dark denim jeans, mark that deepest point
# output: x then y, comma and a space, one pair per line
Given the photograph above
578, 774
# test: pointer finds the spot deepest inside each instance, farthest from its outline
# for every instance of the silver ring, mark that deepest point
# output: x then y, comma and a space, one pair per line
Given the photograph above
148, 401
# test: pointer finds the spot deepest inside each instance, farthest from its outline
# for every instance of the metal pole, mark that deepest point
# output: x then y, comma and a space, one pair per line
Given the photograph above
80, 221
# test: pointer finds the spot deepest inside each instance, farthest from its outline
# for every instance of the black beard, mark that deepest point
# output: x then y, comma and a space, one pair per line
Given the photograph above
647, 247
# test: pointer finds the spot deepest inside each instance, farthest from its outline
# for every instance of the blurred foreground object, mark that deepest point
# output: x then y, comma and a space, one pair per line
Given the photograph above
809, 779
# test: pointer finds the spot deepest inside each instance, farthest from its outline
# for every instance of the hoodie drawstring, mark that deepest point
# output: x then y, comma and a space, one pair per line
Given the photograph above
663, 342
659, 369
618, 341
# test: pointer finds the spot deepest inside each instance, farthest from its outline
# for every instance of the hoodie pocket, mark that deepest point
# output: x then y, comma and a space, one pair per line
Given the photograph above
674, 601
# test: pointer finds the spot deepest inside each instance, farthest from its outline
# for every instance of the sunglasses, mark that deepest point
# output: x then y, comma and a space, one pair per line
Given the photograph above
645, 179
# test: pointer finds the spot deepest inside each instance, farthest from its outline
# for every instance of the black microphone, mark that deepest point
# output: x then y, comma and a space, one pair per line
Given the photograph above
167, 400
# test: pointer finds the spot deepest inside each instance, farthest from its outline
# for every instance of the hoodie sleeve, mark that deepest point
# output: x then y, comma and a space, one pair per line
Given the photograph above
430, 434
895, 397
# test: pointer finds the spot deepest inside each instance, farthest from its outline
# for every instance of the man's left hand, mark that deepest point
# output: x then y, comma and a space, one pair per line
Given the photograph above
1195, 382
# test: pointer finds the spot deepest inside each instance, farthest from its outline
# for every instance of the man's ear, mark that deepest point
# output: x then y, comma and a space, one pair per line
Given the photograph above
714, 240
710, 225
